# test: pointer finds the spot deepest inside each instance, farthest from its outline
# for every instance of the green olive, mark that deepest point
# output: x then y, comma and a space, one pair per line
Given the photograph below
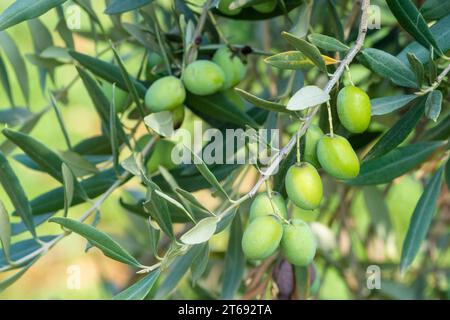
313, 135
178, 116
161, 156
224, 7
165, 94
298, 244
353, 107
122, 99
262, 237
262, 206
337, 157
304, 186
203, 77
231, 65
153, 60
266, 7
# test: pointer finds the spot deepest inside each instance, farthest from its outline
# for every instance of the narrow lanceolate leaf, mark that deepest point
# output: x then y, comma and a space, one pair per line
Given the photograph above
388, 66
200, 263
175, 203
107, 71
307, 49
307, 97
201, 232
327, 43
413, 22
158, 209
18, 63
4, 79
418, 68
395, 163
20, 250
263, 104
15, 116
294, 60
234, 261
5, 230
141, 288
435, 9
399, 131
385, 105
69, 186
447, 173
161, 123
120, 6
433, 105
98, 239
207, 174
14, 190
176, 271
421, 220
22, 10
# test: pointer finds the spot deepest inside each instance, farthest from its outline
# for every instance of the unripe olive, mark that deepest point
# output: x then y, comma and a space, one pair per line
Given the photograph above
178, 116
203, 77
122, 99
262, 206
304, 186
165, 94
337, 157
298, 244
153, 60
262, 237
313, 135
353, 107
231, 65
224, 7
266, 7
161, 156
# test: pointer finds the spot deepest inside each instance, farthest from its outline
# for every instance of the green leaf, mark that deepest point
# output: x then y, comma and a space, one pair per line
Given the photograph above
307, 49
186, 195
98, 239
399, 131
13, 189
176, 271
207, 174
22, 10
4, 78
120, 6
15, 58
80, 166
447, 173
307, 97
220, 108
418, 68
107, 71
388, 66
327, 43
397, 162
421, 220
175, 203
161, 123
22, 249
249, 13
433, 105
386, 105
409, 17
435, 9
20, 227
201, 232
440, 31
69, 186
289, 60
5, 230
441, 131
234, 261
263, 104
158, 209
15, 116
140, 289
200, 263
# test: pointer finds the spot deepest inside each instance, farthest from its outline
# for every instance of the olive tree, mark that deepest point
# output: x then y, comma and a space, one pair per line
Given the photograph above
357, 90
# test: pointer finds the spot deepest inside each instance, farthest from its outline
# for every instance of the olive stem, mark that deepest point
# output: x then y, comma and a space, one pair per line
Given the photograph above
436, 83
298, 149
330, 119
350, 79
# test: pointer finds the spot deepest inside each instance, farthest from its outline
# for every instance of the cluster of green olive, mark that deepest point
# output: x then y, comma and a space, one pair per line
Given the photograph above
201, 77
304, 187
264, 7
269, 229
